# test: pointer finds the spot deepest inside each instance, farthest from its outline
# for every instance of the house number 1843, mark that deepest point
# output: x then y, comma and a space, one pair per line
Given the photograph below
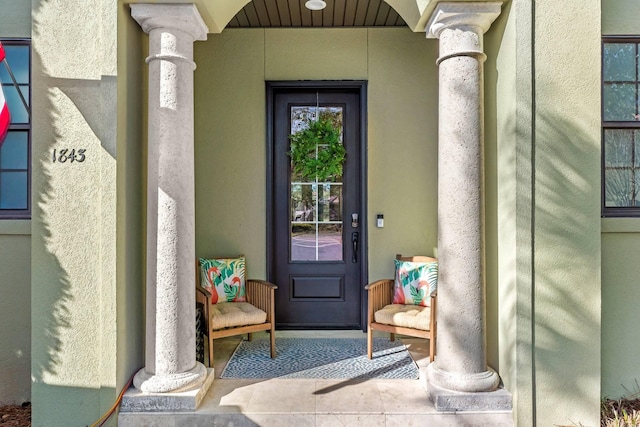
65, 155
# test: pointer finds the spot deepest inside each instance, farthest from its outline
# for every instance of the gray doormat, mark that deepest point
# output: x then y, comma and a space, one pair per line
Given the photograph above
329, 358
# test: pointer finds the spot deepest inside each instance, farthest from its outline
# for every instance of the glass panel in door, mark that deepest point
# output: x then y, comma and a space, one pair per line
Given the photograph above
316, 206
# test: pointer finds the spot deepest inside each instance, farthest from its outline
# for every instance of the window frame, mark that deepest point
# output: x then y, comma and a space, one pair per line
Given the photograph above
24, 127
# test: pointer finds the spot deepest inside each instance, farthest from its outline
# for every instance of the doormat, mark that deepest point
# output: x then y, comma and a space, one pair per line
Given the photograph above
326, 358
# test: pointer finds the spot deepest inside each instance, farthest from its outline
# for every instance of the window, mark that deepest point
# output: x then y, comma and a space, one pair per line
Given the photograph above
15, 153
620, 127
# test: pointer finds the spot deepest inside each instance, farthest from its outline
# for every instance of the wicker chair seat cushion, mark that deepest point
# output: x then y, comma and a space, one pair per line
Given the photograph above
408, 316
232, 314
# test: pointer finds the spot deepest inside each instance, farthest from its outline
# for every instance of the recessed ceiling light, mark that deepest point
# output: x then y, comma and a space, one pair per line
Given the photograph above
315, 4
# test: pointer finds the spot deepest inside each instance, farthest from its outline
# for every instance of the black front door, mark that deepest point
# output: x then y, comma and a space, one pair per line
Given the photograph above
316, 223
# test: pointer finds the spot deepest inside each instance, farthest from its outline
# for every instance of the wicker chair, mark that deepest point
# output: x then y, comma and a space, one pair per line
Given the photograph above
227, 319
411, 320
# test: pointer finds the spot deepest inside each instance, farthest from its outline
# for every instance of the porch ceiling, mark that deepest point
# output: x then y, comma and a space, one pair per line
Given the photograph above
338, 13
221, 14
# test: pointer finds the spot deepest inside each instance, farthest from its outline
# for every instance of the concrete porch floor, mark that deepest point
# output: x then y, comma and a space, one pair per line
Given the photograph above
315, 402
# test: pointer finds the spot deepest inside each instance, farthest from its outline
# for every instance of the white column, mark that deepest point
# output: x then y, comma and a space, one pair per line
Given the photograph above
461, 363
170, 358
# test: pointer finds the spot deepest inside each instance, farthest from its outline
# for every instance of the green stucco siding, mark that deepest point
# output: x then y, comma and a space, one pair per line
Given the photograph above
549, 187
15, 329
230, 120
230, 148
561, 282
131, 190
512, 37
566, 249
73, 254
15, 263
620, 254
620, 314
402, 147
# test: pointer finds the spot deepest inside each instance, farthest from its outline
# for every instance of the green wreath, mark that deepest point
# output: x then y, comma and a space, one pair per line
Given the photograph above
323, 137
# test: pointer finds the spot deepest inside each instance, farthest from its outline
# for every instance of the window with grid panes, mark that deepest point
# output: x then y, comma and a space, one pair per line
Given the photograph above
15, 153
620, 126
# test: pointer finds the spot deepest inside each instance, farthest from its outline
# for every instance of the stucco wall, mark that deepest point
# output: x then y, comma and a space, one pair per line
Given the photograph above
620, 254
549, 257
567, 212
131, 184
403, 147
231, 124
620, 314
549, 116
73, 256
512, 38
15, 313
15, 264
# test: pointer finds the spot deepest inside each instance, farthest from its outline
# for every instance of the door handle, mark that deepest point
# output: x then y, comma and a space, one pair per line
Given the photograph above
354, 240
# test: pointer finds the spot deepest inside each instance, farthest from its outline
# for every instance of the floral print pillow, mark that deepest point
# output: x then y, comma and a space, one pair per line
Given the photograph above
224, 278
415, 282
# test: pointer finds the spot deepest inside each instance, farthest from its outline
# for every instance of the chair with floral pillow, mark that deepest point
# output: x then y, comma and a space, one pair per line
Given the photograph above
232, 304
406, 304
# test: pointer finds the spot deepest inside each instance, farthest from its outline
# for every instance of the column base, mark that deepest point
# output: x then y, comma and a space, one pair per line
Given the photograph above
451, 392
184, 381
135, 400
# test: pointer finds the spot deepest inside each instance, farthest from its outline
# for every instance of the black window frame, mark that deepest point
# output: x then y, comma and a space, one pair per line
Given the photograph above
23, 127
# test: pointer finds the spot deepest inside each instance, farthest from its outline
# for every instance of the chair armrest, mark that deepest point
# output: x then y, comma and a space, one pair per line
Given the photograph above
262, 283
380, 293
203, 296
261, 294
434, 309
203, 291
379, 283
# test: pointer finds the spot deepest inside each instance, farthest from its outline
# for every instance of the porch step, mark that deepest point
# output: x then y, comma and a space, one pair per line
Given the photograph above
327, 403
324, 420
316, 402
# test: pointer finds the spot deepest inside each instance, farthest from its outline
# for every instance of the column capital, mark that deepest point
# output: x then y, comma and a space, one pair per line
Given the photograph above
478, 14
183, 17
